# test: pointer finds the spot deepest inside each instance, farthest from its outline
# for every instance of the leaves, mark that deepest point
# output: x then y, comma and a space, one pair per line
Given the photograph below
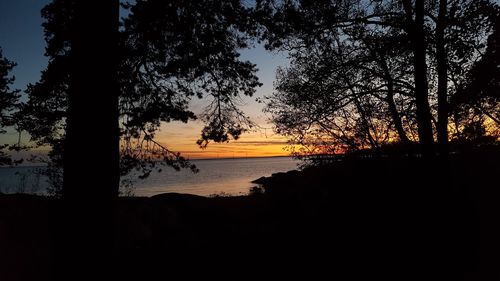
350, 83
9, 105
170, 52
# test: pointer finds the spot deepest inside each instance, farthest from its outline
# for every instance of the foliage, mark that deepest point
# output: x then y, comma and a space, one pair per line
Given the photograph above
476, 106
170, 53
221, 194
338, 94
256, 191
350, 84
8, 104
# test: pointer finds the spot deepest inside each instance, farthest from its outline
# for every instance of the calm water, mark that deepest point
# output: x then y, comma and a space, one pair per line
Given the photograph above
22, 180
232, 176
216, 176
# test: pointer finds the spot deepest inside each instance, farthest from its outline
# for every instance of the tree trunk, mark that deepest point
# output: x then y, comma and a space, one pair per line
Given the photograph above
91, 150
395, 114
417, 39
396, 119
442, 72
365, 124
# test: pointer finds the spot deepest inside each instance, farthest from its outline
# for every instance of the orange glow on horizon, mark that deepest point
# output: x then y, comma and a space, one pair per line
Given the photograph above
182, 138
237, 150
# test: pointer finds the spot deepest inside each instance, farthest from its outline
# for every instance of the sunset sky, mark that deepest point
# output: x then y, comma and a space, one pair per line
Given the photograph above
21, 39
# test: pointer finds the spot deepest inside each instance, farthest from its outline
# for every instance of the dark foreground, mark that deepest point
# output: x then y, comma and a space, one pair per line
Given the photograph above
361, 219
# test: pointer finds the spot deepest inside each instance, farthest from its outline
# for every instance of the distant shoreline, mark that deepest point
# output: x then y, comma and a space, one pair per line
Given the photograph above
34, 165
238, 158
195, 159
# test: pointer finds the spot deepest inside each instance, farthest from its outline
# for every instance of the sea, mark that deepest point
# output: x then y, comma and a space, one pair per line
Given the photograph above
216, 177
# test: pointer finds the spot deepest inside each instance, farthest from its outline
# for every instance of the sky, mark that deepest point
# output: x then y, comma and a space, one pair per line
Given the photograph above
21, 39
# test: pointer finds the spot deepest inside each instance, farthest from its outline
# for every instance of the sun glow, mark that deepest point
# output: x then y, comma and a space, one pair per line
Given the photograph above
182, 138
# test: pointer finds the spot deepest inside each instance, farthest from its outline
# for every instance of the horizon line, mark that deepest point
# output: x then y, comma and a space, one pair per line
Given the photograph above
238, 157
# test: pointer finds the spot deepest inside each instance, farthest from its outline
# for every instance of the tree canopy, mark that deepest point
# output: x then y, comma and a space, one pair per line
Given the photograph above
169, 53
366, 73
478, 97
8, 103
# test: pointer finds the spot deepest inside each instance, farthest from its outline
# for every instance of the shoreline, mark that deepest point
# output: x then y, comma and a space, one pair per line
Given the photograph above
195, 159
295, 215
240, 158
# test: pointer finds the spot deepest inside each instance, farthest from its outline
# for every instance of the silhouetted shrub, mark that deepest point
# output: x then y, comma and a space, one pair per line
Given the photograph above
256, 191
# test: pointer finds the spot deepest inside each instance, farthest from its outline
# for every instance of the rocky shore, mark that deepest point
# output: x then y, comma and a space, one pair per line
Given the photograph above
360, 216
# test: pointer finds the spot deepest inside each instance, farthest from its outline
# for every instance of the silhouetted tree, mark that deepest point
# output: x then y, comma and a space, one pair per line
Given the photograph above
292, 25
169, 54
415, 28
344, 92
91, 138
457, 31
442, 72
441, 38
478, 96
389, 56
108, 80
8, 103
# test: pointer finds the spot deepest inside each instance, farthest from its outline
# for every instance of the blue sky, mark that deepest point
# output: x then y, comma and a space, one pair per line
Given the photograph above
21, 39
